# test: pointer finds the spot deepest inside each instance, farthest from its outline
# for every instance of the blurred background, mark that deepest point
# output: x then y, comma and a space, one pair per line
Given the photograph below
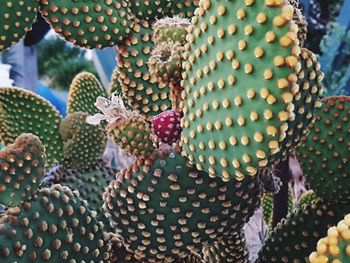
44, 63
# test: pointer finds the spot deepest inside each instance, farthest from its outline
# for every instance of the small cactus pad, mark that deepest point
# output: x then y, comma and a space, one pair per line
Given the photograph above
166, 126
171, 30
90, 183
83, 92
22, 111
324, 154
296, 237
21, 169
116, 88
267, 207
55, 226
89, 24
17, 18
83, 143
230, 249
129, 130
335, 247
308, 198
145, 94
240, 86
177, 207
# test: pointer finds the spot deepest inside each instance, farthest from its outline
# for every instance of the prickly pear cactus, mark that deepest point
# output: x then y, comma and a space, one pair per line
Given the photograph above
177, 207
231, 249
324, 154
89, 24
166, 126
22, 111
53, 226
241, 87
150, 10
83, 92
83, 143
296, 237
17, 18
145, 94
335, 247
308, 198
22, 169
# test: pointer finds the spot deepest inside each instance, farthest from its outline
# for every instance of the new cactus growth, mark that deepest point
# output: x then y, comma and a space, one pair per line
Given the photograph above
241, 85
84, 90
308, 198
22, 111
55, 225
17, 18
129, 130
93, 24
145, 94
324, 153
177, 207
22, 169
166, 126
83, 143
335, 247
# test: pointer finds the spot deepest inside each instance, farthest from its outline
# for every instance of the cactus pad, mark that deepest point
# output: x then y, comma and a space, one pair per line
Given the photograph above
308, 198
150, 9
296, 237
22, 111
54, 226
324, 154
231, 249
22, 169
176, 207
83, 92
89, 24
240, 86
335, 247
145, 94
17, 18
166, 126
83, 142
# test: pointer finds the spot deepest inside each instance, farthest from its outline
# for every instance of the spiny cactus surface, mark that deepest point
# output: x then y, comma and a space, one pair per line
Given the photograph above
22, 169
176, 207
17, 17
22, 111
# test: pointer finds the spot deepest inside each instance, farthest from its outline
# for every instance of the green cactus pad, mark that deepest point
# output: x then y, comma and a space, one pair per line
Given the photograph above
308, 198
115, 87
54, 226
324, 154
83, 92
83, 142
296, 237
134, 136
17, 18
150, 9
145, 94
231, 249
90, 183
241, 86
335, 247
267, 207
162, 207
89, 24
183, 8
21, 169
22, 111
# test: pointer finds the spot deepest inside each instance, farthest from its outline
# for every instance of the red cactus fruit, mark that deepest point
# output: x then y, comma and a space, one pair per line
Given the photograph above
167, 127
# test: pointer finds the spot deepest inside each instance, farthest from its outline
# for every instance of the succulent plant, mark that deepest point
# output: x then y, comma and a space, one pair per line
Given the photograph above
144, 93
166, 126
324, 153
177, 207
22, 111
296, 237
93, 24
17, 19
231, 249
308, 198
55, 225
83, 143
22, 169
335, 247
241, 100
84, 90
